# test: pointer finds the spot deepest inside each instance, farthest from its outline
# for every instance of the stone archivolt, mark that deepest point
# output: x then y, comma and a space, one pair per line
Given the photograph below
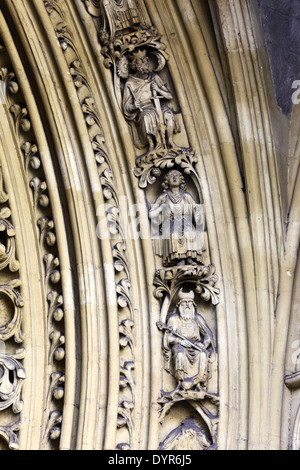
12, 301
136, 55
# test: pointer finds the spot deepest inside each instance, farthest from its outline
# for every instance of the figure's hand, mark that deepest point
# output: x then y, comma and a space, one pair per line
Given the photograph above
185, 343
155, 87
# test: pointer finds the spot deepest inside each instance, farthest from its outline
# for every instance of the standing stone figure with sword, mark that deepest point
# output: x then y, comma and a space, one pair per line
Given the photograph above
155, 122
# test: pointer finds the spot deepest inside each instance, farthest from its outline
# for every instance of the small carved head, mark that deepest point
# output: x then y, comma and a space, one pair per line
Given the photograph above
183, 295
186, 305
174, 177
140, 62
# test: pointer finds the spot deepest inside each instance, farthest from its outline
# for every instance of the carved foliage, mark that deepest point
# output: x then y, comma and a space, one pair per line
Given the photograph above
133, 49
10, 297
7, 242
150, 167
58, 15
10, 435
12, 374
12, 304
203, 278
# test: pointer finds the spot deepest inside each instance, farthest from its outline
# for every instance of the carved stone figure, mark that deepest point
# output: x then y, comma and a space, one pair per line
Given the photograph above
143, 104
187, 436
120, 15
177, 223
117, 15
187, 344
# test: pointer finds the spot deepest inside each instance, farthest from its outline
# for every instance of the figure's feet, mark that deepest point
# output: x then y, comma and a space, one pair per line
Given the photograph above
180, 263
187, 384
151, 143
191, 261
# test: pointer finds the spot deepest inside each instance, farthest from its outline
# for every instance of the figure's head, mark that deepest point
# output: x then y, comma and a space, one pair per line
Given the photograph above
174, 179
186, 305
140, 62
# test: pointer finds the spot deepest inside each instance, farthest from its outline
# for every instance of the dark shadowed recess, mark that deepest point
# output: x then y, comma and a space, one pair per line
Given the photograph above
281, 24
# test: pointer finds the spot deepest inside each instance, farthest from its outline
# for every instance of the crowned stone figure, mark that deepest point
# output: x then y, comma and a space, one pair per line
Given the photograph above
143, 104
188, 343
177, 223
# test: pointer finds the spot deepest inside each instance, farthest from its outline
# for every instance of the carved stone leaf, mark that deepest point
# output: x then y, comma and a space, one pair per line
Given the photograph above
12, 302
115, 48
126, 379
149, 167
47, 236
20, 117
169, 280
39, 188
125, 417
53, 430
124, 293
8, 84
56, 389
89, 112
120, 261
52, 274
57, 350
8, 433
12, 376
109, 191
55, 311
126, 335
30, 152
8, 251
78, 76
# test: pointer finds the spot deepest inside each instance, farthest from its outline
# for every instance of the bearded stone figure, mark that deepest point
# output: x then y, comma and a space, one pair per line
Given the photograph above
188, 343
177, 223
143, 104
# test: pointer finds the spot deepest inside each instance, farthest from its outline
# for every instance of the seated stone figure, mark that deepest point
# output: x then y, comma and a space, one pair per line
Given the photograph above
188, 342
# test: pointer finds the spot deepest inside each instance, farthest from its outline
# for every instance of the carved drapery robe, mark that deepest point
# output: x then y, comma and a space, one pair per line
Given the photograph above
187, 364
145, 115
121, 14
177, 223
